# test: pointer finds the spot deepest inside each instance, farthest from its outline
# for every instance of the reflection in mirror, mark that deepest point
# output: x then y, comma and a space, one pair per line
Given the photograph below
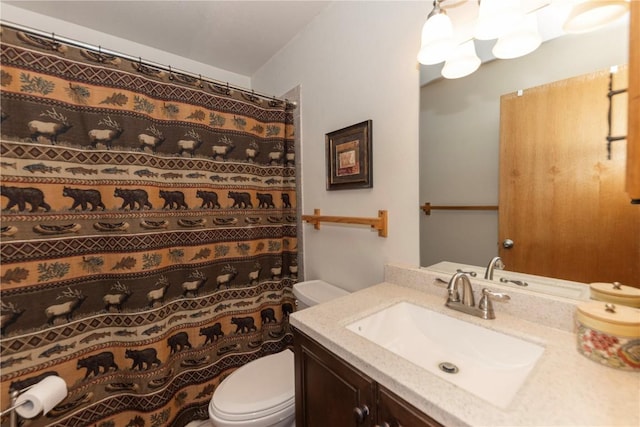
459, 139
521, 281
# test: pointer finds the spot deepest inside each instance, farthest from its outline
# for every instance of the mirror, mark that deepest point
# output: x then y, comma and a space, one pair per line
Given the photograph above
459, 138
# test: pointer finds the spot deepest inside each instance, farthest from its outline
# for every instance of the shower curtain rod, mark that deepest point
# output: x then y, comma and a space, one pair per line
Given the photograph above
250, 93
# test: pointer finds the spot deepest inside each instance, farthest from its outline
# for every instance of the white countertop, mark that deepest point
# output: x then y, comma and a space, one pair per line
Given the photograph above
564, 388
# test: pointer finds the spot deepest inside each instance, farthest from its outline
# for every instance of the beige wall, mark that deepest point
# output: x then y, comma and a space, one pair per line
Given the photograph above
357, 61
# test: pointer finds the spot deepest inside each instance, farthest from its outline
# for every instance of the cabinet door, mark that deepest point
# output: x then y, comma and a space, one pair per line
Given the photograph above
329, 392
395, 412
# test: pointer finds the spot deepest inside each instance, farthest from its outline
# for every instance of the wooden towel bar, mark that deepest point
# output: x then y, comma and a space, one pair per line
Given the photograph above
427, 208
379, 223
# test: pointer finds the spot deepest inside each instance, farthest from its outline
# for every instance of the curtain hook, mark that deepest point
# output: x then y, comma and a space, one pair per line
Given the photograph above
170, 73
200, 85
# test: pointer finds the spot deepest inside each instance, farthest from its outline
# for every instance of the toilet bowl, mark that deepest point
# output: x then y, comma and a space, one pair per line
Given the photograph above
261, 393
258, 394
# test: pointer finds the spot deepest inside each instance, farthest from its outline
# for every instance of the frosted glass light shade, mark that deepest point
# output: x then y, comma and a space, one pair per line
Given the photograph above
497, 17
462, 62
520, 41
437, 40
593, 14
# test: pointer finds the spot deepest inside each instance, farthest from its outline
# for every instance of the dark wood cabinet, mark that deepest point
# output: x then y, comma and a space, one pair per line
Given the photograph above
331, 392
395, 412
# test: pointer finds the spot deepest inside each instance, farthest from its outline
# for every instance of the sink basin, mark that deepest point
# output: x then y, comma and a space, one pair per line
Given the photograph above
489, 364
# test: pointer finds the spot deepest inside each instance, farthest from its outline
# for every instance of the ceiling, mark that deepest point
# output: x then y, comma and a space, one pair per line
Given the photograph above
237, 36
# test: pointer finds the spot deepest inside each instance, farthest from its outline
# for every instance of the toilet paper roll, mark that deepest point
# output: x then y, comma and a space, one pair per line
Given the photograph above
42, 397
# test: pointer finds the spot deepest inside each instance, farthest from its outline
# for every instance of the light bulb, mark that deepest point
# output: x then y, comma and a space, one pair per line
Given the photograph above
497, 17
437, 39
593, 14
520, 41
462, 62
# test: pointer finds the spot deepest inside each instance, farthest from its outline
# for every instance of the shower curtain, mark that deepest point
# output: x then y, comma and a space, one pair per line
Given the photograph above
148, 233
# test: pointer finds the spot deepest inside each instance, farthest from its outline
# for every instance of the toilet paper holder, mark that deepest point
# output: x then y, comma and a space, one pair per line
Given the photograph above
13, 416
14, 395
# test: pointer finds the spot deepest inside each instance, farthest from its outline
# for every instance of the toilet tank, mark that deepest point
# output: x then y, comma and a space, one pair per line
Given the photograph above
314, 292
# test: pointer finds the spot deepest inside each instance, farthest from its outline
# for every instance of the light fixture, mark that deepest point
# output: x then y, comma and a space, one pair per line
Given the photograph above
462, 62
520, 41
497, 17
593, 14
437, 36
505, 20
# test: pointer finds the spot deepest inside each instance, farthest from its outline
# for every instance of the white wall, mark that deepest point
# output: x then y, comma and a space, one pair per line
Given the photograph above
459, 138
357, 61
86, 35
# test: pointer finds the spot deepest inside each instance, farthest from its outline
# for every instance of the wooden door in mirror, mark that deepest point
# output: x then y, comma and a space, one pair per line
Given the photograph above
633, 135
562, 200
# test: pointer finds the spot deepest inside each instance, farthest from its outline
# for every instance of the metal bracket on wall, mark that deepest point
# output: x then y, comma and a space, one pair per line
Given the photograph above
610, 95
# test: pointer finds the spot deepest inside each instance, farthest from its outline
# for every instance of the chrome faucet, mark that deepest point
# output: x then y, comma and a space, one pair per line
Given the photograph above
467, 298
465, 302
496, 262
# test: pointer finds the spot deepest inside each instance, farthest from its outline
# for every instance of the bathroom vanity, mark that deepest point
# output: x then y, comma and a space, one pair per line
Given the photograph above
339, 371
330, 391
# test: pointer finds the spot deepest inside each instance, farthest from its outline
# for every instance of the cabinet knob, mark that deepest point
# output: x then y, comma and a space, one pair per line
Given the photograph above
360, 413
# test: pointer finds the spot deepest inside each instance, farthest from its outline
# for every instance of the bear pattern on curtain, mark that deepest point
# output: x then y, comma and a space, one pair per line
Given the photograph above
148, 233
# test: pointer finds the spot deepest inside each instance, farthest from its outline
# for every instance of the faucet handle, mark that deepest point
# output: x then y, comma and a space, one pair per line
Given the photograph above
496, 295
485, 302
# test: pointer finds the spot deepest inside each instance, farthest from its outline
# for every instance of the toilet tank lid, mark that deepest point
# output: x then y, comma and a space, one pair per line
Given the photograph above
314, 292
262, 386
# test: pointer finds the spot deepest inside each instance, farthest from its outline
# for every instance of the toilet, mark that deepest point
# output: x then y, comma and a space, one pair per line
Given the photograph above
261, 393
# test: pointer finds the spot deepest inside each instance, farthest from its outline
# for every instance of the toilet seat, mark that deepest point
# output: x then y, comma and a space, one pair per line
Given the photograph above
259, 389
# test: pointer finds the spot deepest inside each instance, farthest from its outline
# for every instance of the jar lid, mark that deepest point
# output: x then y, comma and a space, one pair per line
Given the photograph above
613, 319
616, 292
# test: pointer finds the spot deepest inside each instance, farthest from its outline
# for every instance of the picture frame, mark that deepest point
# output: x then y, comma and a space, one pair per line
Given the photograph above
349, 157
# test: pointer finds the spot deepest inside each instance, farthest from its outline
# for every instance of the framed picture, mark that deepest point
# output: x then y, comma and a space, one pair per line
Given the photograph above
349, 157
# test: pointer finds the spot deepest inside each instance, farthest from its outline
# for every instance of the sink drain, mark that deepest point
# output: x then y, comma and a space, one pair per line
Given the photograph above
448, 367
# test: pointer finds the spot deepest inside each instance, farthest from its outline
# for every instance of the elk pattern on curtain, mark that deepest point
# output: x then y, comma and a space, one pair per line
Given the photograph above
148, 233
